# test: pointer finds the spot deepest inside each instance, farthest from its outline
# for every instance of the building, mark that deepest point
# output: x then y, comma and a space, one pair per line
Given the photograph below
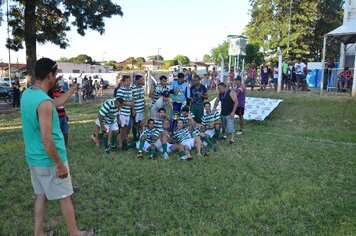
152, 65
67, 67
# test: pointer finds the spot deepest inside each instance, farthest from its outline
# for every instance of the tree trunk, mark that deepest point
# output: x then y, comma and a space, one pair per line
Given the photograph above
30, 38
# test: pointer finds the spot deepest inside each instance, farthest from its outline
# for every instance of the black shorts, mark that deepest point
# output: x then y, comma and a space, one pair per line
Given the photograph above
240, 111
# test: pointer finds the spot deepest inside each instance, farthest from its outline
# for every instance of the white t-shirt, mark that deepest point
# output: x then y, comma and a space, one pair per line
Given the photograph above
299, 68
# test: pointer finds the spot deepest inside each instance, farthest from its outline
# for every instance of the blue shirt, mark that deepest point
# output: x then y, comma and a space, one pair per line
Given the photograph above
181, 92
195, 93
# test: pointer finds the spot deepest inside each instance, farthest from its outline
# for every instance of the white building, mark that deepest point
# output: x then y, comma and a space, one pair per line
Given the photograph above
67, 67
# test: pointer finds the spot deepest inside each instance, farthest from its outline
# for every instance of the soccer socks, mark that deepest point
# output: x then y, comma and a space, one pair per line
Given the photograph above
217, 134
135, 133
207, 140
142, 143
113, 140
105, 141
181, 154
164, 147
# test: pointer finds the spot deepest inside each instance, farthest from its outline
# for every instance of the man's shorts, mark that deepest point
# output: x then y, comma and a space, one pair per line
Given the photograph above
188, 143
209, 132
343, 80
300, 78
146, 146
228, 124
264, 81
140, 116
63, 123
108, 127
250, 81
124, 120
45, 181
158, 145
240, 111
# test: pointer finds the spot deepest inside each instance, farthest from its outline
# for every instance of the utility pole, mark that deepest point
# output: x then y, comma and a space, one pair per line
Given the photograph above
8, 37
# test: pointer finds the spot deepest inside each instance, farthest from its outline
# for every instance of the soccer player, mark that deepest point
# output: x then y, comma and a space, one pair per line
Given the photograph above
162, 102
158, 89
145, 144
125, 93
185, 114
138, 94
183, 137
211, 122
107, 121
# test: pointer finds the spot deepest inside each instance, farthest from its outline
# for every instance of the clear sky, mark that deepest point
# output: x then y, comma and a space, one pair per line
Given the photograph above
186, 27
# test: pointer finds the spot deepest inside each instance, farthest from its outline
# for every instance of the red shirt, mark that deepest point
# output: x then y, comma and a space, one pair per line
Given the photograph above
60, 109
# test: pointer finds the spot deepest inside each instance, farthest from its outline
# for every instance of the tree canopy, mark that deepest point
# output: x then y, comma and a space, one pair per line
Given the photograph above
183, 59
49, 21
310, 20
155, 57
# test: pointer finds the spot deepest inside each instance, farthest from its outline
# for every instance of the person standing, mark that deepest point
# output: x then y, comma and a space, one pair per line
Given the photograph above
264, 76
241, 98
299, 72
125, 92
181, 95
16, 94
138, 94
251, 75
198, 93
229, 103
329, 65
45, 150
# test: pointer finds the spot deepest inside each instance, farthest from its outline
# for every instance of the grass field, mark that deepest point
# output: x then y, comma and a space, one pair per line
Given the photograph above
292, 174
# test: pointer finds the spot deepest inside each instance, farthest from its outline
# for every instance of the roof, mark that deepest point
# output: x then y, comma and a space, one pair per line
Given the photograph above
345, 33
153, 63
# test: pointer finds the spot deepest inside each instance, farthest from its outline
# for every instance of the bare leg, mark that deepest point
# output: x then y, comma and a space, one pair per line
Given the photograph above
66, 139
40, 206
197, 142
242, 122
69, 217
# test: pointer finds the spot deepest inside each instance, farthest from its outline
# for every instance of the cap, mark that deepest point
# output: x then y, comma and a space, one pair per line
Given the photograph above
165, 94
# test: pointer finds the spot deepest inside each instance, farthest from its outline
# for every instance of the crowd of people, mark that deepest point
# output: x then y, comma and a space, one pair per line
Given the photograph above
180, 118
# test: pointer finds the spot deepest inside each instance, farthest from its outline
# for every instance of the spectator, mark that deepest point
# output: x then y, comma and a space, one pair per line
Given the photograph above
198, 93
251, 75
344, 79
241, 98
264, 76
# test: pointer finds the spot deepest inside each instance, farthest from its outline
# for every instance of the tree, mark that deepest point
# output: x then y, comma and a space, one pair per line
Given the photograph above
155, 57
112, 63
310, 20
81, 59
253, 53
130, 59
206, 58
169, 63
183, 59
223, 50
48, 21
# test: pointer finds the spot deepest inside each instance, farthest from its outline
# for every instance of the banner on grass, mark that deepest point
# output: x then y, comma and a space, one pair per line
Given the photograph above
256, 108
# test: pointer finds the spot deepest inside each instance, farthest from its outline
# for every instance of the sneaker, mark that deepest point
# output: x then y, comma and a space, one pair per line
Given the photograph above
224, 137
232, 141
183, 158
139, 154
165, 156
113, 148
124, 145
215, 149
239, 132
107, 151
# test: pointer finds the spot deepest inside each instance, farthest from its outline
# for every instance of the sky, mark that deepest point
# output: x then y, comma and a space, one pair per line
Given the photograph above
170, 27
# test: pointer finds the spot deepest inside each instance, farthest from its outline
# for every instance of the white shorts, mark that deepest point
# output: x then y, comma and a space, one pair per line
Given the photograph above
158, 145
140, 116
146, 146
188, 143
209, 132
108, 127
124, 120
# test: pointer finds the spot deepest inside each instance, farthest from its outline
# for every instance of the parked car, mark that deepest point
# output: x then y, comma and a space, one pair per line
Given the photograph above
6, 94
4, 82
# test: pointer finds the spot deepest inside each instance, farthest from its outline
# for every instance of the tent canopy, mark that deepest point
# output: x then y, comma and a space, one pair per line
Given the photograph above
345, 33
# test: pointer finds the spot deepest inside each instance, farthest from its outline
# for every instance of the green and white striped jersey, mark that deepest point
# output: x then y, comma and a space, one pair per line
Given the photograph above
138, 95
195, 132
149, 134
185, 118
208, 118
109, 111
157, 91
126, 95
181, 135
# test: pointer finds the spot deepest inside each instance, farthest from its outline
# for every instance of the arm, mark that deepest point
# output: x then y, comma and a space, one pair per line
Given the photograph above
234, 98
151, 93
44, 112
64, 97
217, 100
204, 95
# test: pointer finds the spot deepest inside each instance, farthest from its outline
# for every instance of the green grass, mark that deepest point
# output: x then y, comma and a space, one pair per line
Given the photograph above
292, 174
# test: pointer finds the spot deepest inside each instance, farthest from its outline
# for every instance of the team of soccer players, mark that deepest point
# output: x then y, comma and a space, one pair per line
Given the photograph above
170, 127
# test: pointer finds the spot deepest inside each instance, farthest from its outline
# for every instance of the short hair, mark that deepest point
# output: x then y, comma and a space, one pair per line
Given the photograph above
162, 77
207, 103
43, 67
180, 120
185, 109
149, 120
137, 77
222, 84
161, 109
181, 75
125, 77
119, 101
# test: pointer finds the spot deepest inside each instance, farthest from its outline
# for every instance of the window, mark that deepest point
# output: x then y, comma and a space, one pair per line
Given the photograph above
76, 71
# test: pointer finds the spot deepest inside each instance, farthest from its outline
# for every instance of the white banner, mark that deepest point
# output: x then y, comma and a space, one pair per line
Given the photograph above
237, 46
256, 108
